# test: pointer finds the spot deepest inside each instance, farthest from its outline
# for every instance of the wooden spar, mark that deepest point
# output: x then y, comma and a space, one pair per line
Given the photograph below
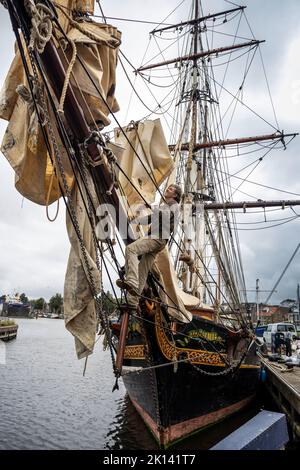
200, 54
198, 20
249, 204
122, 342
241, 140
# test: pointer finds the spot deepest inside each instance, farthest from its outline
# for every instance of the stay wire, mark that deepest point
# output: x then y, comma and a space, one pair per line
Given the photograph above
264, 69
258, 184
112, 114
103, 17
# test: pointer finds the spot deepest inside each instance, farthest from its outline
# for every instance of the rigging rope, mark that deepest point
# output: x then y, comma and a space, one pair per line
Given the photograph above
259, 184
282, 274
67, 78
41, 21
57, 155
57, 158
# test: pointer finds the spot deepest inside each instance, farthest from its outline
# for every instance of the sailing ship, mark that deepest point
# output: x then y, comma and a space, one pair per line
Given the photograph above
188, 356
14, 307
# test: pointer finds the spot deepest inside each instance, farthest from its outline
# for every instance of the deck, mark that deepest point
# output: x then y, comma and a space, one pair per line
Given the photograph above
284, 386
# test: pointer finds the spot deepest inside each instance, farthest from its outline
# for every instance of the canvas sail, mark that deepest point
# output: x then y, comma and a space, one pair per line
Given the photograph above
36, 177
146, 153
23, 143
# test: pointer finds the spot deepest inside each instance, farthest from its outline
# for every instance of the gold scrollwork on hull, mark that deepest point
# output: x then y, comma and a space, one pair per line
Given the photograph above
134, 352
197, 356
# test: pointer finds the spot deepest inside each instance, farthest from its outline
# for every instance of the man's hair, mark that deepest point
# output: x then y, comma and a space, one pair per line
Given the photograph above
178, 192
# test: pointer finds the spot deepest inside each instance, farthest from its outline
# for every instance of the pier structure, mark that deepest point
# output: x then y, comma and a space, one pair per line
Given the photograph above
8, 332
283, 383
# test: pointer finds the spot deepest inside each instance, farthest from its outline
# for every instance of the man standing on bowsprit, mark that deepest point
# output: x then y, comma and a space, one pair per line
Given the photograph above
140, 254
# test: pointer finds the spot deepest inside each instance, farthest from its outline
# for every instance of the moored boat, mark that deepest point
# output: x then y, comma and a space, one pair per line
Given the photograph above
8, 330
14, 307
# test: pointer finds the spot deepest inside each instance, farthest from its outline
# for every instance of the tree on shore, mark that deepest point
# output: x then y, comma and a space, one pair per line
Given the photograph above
24, 298
38, 304
56, 303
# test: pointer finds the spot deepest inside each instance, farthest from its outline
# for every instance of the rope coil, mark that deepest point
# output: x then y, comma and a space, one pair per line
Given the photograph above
41, 21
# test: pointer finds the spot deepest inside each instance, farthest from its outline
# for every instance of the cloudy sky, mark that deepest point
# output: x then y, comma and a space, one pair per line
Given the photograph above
33, 251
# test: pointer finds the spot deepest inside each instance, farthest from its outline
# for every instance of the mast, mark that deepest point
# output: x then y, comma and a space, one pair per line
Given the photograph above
192, 142
198, 241
298, 303
257, 300
197, 148
198, 151
194, 181
199, 166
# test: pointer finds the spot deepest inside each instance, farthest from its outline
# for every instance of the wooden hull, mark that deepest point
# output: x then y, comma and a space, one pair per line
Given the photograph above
176, 401
185, 402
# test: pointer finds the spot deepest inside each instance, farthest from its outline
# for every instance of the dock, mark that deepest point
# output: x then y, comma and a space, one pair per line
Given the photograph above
266, 431
8, 333
283, 384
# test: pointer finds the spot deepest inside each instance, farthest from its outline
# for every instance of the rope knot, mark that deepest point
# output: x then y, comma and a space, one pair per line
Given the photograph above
41, 21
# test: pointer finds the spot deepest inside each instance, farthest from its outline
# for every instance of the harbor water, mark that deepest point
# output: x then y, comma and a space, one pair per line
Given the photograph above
47, 403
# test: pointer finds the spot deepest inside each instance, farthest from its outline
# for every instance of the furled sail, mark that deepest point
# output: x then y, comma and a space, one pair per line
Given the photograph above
146, 160
23, 143
96, 45
79, 308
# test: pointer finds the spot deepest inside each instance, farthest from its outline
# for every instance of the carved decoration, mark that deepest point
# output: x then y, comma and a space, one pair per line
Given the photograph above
135, 352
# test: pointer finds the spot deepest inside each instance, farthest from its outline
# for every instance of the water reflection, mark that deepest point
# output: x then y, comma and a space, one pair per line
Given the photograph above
127, 430
46, 403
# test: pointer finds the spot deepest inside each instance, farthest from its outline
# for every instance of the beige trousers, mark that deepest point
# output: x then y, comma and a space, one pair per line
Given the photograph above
136, 271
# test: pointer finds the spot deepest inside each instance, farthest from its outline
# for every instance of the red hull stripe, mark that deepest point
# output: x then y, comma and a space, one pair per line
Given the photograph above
180, 430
